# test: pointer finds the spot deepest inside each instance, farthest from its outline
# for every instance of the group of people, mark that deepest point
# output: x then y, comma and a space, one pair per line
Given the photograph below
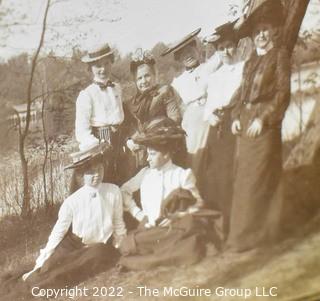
206, 152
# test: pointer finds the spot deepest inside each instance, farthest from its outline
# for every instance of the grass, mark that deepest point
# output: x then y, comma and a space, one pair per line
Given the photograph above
274, 266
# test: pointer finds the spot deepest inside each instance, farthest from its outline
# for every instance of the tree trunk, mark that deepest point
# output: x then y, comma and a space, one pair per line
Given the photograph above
26, 208
295, 11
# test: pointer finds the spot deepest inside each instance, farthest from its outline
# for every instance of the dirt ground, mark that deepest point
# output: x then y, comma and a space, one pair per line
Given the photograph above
289, 271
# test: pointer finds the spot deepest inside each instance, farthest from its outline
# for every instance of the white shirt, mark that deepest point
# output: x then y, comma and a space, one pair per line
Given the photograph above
97, 107
155, 185
192, 84
221, 86
95, 213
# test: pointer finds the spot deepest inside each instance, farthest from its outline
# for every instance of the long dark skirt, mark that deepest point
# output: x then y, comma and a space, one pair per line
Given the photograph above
180, 243
216, 185
71, 263
114, 171
256, 188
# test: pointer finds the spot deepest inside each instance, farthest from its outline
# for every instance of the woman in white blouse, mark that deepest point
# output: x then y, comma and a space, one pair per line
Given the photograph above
99, 112
219, 157
161, 239
191, 86
80, 242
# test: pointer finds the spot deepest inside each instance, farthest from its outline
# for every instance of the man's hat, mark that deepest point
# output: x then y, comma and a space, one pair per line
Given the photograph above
269, 11
182, 43
159, 132
224, 32
97, 52
80, 159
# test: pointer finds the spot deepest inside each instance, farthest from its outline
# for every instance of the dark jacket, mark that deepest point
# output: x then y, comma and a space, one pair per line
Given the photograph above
265, 88
160, 101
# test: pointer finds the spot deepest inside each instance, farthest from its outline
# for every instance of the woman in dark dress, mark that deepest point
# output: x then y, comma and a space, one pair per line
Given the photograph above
151, 101
261, 103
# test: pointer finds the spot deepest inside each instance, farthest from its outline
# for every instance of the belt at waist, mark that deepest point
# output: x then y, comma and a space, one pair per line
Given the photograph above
103, 133
198, 102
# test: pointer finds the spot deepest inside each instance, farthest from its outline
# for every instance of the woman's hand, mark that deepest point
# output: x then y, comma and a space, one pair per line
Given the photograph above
26, 275
255, 128
213, 119
132, 146
236, 127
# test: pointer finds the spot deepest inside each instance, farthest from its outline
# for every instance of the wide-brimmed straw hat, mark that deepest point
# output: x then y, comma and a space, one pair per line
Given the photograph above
224, 32
97, 52
92, 153
182, 43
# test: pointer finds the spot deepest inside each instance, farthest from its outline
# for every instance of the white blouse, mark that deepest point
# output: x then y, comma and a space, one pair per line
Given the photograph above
97, 107
221, 86
192, 84
155, 186
95, 213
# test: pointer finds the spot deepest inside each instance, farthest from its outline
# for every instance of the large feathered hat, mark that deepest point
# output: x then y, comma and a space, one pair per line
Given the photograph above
269, 11
160, 132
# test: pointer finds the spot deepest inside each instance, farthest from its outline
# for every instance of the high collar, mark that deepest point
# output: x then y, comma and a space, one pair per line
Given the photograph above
264, 51
92, 190
164, 167
103, 82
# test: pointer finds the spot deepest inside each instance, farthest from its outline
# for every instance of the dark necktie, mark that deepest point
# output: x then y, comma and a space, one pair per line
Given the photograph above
104, 86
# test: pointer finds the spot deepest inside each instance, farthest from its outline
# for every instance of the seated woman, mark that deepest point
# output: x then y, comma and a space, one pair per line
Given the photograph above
163, 187
80, 242
151, 100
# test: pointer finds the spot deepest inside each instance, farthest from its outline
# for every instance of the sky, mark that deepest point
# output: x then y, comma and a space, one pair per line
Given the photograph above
127, 24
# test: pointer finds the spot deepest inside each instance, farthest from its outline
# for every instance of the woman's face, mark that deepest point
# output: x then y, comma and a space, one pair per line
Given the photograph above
101, 69
145, 78
93, 174
262, 35
189, 56
157, 159
227, 51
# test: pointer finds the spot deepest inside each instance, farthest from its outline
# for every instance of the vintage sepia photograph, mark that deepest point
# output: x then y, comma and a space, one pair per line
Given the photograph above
159, 150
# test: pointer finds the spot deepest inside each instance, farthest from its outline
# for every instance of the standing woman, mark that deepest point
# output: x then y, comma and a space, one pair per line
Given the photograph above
99, 112
220, 151
192, 88
151, 101
261, 103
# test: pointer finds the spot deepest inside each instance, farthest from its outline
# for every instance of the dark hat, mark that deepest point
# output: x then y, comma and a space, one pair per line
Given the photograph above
97, 53
159, 132
141, 57
182, 43
80, 159
269, 11
224, 32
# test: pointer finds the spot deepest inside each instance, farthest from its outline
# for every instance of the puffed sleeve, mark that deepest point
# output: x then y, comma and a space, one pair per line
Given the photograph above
82, 125
128, 189
118, 223
273, 111
172, 101
188, 182
57, 234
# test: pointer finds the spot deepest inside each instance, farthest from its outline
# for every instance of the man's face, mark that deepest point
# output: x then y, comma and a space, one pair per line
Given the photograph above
189, 56
157, 159
145, 78
101, 69
227, 51
93, 174
262, 35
